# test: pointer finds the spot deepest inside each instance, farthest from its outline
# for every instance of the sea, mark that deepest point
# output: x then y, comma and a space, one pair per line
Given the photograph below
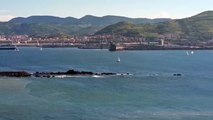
150, 92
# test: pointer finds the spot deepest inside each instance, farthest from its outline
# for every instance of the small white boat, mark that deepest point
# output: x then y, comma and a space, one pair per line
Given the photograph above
118, 60
192, 52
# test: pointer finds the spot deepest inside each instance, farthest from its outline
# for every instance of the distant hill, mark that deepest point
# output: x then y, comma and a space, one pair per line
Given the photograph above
198, 27
108, 20
44, 19
86, 20
45, 25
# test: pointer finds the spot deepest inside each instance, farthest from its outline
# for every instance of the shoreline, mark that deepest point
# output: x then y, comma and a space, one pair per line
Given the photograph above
127, 48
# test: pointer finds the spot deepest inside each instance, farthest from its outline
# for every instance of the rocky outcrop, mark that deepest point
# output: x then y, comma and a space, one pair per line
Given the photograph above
54, 74
15, 74
71, 73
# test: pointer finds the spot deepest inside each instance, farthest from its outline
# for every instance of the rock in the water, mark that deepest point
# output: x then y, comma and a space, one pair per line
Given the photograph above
15, 74
177, 74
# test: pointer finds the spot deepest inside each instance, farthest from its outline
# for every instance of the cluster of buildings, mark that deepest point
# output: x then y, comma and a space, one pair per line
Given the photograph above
102, 41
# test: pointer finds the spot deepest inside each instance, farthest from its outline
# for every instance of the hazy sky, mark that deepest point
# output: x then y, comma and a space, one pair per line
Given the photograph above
79, 8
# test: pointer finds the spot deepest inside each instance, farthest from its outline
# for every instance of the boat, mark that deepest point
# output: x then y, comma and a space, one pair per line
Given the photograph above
118, 60
189, 53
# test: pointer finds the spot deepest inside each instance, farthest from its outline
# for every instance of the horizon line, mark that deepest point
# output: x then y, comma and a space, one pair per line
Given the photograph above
99, 16
44, 15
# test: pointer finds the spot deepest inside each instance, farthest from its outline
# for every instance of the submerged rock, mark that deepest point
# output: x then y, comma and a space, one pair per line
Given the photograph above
177, 74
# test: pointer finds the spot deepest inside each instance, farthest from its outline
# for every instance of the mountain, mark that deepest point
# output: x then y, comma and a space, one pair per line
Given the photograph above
46, 25
86, 20
198, 27
43, 29
108, 20
44, 19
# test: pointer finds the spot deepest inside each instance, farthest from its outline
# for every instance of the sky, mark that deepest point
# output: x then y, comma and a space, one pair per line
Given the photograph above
175, 9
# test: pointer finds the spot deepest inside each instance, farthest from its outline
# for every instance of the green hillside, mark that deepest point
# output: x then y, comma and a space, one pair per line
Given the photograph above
198, 27
47, 25
46, 29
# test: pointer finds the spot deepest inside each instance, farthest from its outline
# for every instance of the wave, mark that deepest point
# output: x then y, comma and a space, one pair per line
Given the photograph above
94, 76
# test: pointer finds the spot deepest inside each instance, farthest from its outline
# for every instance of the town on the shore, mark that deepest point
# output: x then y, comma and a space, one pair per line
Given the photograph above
111, 42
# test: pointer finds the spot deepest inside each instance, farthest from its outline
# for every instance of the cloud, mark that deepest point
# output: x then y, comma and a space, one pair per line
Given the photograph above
5, 15
163, 14
4, 18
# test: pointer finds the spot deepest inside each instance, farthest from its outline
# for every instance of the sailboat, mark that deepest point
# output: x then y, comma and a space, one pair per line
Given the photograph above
118, 60
189, 53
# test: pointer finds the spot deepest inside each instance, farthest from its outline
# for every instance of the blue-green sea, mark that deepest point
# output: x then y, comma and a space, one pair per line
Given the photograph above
151, 93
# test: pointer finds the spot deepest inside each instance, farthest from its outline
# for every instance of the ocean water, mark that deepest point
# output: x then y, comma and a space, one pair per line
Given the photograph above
151, 93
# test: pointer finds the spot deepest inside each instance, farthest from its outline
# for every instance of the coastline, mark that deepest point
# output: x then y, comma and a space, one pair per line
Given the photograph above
124, 48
